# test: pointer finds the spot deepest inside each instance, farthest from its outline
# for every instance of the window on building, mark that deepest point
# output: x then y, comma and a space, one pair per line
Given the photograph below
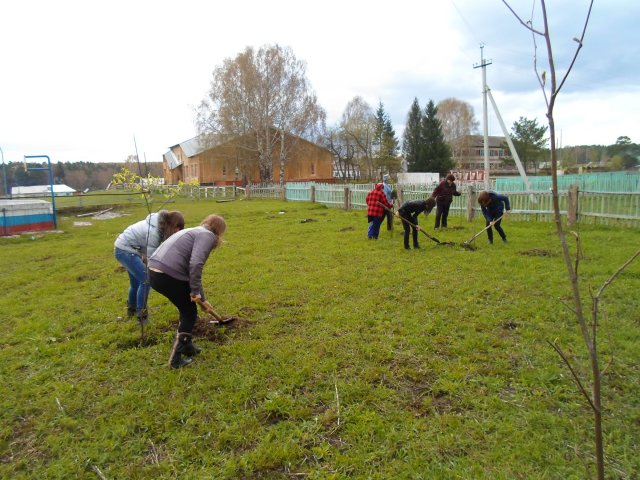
313, 168
224, 169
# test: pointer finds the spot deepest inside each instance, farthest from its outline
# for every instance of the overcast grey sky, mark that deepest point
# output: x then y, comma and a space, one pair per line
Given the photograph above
80, 79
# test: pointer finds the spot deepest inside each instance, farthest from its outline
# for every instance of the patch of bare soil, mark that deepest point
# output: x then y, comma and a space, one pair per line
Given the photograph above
106, 215
219, 332
447, 244
510, 325
537, 252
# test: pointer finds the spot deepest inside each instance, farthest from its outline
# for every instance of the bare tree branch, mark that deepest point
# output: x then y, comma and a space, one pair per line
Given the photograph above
617, 272
575, 55
573, 373
528, 25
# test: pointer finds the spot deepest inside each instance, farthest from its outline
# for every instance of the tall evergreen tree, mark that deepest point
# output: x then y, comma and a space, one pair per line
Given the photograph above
411, 139
437, 153
385, 143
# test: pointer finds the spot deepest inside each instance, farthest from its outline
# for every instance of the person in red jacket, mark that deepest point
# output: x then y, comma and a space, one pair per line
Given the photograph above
444, 194
375, 210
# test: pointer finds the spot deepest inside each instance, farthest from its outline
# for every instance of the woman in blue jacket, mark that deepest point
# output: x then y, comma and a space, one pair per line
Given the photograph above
493, 207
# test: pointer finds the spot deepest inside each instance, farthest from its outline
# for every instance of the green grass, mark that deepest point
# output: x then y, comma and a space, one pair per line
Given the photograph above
362, 360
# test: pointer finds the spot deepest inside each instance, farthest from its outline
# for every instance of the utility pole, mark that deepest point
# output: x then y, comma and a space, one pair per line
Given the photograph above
4, 174
483, 64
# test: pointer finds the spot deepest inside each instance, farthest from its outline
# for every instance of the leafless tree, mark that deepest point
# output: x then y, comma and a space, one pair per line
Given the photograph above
458, 123
457, 118
343, 151
551, 86
358, 124
265, 99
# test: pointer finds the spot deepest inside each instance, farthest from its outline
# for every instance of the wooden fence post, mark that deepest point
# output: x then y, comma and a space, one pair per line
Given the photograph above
400, 196
471, 200
283, 192
347, 198
313, 194
572, 205
247, 192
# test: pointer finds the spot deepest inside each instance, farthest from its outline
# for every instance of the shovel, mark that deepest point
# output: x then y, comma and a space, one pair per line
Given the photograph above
206, 306
467, 244
417, 227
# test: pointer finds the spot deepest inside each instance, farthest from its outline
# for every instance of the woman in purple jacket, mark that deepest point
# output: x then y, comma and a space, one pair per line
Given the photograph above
444, 194
175, 271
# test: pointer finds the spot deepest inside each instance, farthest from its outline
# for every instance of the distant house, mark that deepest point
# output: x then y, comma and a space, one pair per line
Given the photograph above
42, 191
215, 160
468, 154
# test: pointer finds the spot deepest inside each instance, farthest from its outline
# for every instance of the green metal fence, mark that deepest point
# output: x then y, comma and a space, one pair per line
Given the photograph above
608, 208
622, 209
618, 182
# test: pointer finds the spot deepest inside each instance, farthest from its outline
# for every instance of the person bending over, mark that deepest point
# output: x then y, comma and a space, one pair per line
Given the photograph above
408, 213
175, 271
131, 249
493, 206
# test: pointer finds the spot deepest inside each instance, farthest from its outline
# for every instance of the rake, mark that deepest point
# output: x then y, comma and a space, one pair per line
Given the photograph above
417, 227
467, 245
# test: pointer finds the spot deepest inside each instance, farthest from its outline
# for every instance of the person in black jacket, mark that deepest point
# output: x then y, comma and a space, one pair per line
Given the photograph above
409, 212
444, 194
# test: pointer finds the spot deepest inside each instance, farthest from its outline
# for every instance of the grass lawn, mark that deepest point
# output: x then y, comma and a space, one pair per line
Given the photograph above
357, 359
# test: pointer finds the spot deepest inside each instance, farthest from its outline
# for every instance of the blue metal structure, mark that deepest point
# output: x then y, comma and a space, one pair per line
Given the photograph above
53, 196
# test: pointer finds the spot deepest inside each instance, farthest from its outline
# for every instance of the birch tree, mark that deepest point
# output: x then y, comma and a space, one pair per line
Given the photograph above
358, 124
258, 98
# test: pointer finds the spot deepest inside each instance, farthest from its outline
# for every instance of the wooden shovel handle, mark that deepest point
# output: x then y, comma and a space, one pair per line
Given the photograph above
209, 309
485, 228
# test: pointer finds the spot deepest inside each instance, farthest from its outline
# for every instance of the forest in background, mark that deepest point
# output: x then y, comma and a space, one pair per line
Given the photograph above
77, 175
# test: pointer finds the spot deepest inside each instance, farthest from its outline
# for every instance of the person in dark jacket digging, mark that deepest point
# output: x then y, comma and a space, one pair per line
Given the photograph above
493, 206
444, 194
375, 210
408, 213
175, 271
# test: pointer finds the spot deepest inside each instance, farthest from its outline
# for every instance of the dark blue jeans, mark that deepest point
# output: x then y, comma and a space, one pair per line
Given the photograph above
498, 228
138, 281
374, 226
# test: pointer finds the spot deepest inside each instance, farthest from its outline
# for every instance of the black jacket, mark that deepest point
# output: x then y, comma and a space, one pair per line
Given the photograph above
411, 209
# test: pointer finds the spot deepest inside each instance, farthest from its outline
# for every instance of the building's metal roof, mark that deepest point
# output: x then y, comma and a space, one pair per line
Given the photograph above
172, 160
193, 146
41, 189
199, 144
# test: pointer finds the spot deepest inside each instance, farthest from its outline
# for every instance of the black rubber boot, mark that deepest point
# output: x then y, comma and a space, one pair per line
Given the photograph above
190, 350
131, 310
143, 316
180, 345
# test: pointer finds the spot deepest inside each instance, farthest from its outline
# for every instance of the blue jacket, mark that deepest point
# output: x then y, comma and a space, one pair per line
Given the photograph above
141, 238
496, 207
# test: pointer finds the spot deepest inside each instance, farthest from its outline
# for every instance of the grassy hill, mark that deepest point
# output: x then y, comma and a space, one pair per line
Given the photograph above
354, 359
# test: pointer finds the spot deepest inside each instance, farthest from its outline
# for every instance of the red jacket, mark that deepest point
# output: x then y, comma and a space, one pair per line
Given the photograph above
374, 209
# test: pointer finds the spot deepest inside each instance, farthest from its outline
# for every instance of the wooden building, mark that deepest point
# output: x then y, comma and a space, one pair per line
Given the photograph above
468, 154
213, 160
